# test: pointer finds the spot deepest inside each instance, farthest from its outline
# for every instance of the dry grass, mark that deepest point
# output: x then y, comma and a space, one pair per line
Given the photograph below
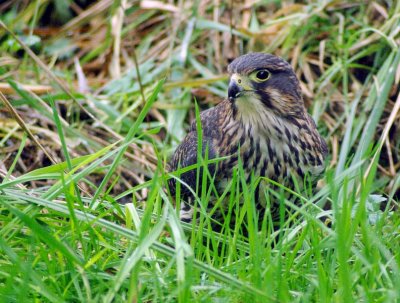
332, 52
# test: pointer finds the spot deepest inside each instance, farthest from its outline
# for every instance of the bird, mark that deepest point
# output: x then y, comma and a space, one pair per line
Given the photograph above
263, 124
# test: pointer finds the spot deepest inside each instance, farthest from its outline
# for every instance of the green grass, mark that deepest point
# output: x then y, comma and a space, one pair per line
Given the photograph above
75, 165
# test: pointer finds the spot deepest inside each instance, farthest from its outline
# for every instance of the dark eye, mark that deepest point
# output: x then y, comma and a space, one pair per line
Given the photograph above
263, 75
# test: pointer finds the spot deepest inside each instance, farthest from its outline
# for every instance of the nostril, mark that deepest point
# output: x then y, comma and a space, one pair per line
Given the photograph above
233, 90
239, 81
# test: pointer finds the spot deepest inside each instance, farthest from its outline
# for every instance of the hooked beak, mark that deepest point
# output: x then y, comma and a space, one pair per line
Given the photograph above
234, 90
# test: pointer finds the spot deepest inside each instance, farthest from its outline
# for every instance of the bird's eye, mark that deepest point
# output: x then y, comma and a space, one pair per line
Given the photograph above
263, 75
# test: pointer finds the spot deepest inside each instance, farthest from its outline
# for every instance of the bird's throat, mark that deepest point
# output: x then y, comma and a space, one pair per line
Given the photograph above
252, 115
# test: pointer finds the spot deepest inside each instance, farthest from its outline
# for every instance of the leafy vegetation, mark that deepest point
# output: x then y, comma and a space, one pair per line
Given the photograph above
97, 94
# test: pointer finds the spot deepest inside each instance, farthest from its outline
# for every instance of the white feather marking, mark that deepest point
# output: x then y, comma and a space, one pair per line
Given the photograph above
255, 116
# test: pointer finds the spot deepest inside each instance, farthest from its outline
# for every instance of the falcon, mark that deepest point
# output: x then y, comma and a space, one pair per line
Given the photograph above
262, 124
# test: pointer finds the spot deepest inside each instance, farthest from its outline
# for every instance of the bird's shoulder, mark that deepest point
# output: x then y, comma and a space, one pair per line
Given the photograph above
210, 121
186, 152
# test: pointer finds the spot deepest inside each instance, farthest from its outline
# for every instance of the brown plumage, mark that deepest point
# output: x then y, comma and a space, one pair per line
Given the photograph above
263, 121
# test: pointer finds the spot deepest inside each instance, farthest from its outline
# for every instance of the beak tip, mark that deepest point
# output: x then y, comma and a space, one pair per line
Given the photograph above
233, 91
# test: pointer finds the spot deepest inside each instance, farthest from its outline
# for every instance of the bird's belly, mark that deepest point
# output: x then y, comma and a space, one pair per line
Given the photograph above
259, 157
273, 159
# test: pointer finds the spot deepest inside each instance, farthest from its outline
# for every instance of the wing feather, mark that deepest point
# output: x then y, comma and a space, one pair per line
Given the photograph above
186, 155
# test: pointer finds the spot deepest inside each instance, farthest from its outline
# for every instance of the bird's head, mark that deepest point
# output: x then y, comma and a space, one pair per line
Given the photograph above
263, 82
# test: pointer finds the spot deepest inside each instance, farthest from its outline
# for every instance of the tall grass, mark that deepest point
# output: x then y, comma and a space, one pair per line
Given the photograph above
84, 213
